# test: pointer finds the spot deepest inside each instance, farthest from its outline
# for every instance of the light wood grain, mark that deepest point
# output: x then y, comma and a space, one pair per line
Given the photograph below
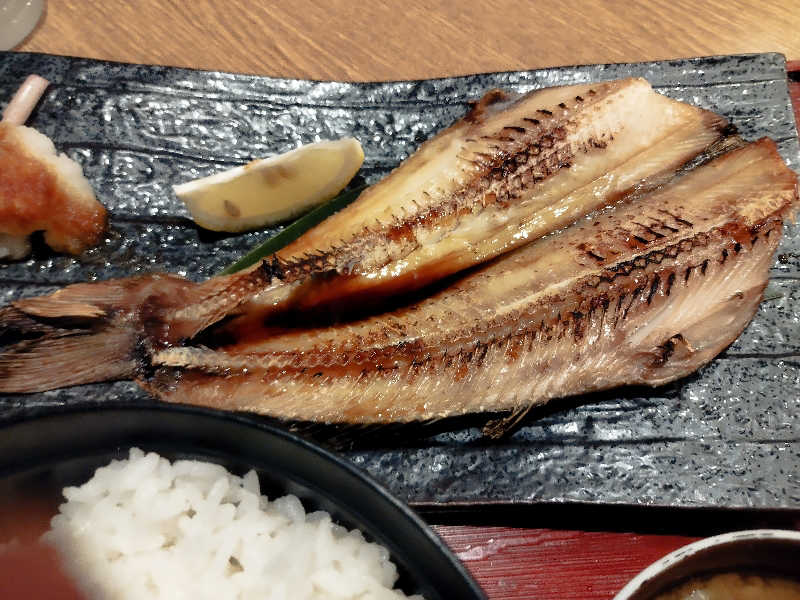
355, 40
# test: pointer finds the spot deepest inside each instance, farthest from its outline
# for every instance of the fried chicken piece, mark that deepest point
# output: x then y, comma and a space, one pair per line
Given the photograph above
41, 190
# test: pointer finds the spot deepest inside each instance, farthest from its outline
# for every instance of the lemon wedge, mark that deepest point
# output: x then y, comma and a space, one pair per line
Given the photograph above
274, 189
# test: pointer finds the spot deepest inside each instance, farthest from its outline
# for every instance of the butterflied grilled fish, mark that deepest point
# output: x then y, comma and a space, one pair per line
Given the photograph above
510, 172
643, 292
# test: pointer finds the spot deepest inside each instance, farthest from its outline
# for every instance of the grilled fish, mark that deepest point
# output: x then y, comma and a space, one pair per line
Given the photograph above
642, 292
511, 171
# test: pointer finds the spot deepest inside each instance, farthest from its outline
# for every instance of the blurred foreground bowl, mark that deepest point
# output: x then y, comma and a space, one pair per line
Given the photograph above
39, 457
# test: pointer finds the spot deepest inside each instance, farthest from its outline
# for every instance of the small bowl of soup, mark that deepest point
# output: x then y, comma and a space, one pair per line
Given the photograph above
760, 564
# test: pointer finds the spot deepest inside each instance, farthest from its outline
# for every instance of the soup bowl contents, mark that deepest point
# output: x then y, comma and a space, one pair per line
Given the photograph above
735, 586
143, 527
758, 564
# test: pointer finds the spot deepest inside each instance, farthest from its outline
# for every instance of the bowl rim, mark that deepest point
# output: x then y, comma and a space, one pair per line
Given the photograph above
689, 550
11, 464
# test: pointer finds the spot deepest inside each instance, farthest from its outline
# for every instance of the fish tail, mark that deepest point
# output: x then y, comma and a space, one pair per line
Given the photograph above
90, 332
85, 333
60, 359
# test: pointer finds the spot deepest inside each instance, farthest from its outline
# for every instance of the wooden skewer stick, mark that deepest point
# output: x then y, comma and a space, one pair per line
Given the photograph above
23, 102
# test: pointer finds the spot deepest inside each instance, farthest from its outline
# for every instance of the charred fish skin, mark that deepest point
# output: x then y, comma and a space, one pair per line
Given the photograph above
644, 292
509, 172
502, 154
512, 170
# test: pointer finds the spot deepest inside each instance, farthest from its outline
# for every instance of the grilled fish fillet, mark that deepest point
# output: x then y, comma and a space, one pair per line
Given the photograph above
643, 292
511, 171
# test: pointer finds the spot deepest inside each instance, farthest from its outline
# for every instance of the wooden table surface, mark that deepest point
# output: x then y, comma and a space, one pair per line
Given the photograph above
516, 553
379, 40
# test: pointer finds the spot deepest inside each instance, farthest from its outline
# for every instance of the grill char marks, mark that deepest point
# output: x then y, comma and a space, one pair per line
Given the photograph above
497, 167
535, 324
514, 170
506, 175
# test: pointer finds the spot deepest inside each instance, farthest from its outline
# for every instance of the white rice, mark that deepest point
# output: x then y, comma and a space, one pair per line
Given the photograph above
144, 528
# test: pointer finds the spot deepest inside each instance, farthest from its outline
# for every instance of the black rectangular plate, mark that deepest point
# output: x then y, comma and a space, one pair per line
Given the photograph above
728, 436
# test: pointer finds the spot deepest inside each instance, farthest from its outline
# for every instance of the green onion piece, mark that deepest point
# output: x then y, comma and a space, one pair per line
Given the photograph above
294, 231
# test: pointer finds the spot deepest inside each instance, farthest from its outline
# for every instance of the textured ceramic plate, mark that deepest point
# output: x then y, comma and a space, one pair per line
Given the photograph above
727, 436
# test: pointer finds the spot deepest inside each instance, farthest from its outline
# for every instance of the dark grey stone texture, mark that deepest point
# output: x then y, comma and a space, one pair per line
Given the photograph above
726, 436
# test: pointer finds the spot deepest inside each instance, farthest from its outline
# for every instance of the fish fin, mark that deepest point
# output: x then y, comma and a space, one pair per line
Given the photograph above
79, 309
89, 332
63, 359
47, 307
43, 317
499, 428
77, 306
13, 321
85, 332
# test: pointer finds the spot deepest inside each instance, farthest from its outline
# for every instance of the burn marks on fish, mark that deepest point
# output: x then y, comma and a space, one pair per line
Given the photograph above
500, 167
591, 253
665, 351
596, 305
500, 179
611, 296
607, 242
479, 108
